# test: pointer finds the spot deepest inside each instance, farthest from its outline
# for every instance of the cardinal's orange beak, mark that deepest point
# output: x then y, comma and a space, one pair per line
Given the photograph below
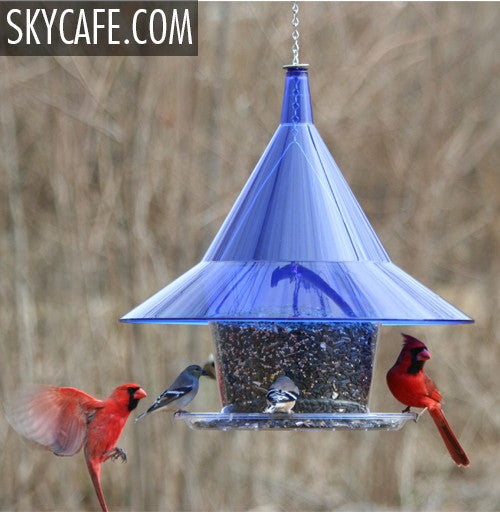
423, 355
140, 393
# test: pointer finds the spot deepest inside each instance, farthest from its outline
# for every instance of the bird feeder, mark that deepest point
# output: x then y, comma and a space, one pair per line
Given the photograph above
296, 283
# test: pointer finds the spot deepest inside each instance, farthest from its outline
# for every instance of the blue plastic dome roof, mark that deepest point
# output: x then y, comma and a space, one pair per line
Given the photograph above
296, 246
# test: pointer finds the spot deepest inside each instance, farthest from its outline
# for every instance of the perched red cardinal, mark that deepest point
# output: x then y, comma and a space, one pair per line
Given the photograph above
413, 387
64, 419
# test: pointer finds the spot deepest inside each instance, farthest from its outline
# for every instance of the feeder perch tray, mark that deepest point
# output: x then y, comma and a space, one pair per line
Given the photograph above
297, 421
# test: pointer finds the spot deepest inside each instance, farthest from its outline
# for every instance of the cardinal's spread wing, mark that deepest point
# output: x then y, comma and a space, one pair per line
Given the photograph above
53, 417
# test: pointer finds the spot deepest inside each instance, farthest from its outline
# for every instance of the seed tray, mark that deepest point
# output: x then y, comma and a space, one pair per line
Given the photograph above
297, 421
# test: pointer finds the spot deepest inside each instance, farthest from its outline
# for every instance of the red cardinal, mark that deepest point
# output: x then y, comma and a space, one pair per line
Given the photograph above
64, 419
413, 387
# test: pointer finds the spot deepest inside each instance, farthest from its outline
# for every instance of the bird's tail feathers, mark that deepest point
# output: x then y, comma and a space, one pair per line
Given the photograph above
140, 417
450, 440
95, 475
153, 408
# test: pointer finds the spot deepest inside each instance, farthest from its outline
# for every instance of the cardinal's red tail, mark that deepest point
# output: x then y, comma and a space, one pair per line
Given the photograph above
95, 475
450, 440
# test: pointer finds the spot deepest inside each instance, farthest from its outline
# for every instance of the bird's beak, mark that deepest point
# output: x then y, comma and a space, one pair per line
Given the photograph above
140, 393
423, 355
203, 372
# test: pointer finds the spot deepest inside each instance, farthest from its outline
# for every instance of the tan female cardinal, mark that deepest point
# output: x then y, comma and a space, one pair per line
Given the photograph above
413, 387
64, 419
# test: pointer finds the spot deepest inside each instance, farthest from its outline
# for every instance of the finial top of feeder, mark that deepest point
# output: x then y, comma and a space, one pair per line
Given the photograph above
296, 66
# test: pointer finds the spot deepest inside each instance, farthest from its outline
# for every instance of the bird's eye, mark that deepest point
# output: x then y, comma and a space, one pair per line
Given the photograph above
131, 390
415, 351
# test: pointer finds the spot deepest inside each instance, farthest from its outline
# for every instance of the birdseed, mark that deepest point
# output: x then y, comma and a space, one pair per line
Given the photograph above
331, 363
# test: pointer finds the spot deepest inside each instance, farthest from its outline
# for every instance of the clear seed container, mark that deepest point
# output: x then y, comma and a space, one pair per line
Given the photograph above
331, 363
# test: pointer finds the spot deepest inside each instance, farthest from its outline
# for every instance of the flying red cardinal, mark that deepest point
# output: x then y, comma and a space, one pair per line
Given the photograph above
64, 419
413, 387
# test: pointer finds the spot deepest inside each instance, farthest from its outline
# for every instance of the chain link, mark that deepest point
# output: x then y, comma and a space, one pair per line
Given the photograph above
295, 34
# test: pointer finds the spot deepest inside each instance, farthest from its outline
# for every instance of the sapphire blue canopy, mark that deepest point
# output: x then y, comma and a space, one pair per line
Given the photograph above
296, 245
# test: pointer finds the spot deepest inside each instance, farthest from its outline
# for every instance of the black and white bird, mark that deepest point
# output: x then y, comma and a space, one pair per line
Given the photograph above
179, 393
282, 395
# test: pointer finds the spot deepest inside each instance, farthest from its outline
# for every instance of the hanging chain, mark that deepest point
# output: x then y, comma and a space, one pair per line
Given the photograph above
295, 34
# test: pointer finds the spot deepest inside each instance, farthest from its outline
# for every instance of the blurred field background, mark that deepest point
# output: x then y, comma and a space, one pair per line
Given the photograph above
117, 172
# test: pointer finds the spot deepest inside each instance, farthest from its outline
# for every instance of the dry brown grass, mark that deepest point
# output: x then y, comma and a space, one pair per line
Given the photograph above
117, 172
